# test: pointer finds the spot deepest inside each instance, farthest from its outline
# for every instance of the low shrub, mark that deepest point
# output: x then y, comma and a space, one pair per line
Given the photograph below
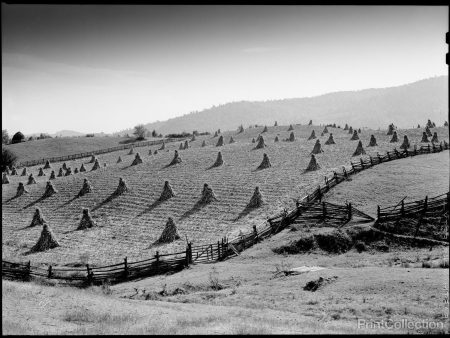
336, 241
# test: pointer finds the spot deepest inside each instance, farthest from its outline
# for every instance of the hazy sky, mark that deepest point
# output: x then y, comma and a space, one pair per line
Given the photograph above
110, 67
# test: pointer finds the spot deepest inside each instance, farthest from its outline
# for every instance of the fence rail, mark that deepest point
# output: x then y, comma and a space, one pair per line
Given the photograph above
307, 209
95, 152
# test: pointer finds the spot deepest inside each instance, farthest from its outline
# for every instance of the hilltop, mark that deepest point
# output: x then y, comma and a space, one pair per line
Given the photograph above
62, 146
377, 107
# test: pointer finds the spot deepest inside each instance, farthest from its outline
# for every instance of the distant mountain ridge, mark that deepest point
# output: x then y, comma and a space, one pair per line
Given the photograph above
405, 106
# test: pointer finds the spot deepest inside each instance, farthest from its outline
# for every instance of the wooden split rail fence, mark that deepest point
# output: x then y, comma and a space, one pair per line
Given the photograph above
95, 152
307, 208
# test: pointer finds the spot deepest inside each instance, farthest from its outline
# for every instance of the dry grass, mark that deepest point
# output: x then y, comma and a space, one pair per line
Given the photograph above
45, 148
386, 184
130, 222
68, 311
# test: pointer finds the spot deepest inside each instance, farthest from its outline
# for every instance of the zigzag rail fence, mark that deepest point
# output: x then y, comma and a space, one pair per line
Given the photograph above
307, 209
95, 152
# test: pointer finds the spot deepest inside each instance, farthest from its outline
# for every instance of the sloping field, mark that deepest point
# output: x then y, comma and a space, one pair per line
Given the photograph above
61, 146
130, 223
389, 183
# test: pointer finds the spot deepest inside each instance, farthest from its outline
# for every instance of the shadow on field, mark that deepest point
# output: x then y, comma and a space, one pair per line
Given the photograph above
111, 198
40, 199
66, 203
196, 208
150, 208
11, 199
243, 213
126, 167
214, 166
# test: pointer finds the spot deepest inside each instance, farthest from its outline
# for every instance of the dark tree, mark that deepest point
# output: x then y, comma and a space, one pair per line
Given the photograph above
5, 136
17, 138
139, 131
8, 158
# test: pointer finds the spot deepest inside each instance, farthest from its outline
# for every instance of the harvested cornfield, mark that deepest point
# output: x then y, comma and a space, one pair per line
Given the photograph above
176, 159
208, 195
355, 136
31, 179
261, 144
313, 165
373, 141
265, 163
425, 138
137, 160
220, 141
435, 138
405, 144
49, 190
394, 137
86, 221
5, 179
330, 140
359, 149
86, 188
38, 219
96, 165
219, 160
21, 190
170, 232
46, 241
256, 200
317, 148
47, 165
167, 192
130, 221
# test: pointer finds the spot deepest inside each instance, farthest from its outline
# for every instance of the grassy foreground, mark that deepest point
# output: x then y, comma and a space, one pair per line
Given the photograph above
245, 296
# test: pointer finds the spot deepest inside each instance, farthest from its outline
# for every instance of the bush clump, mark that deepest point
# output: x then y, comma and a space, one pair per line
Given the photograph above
334, 242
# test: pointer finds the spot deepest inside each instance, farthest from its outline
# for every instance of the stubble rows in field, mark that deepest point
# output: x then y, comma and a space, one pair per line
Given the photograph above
130, 223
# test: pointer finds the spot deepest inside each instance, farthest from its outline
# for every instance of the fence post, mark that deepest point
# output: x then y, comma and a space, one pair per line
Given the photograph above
326, 183
218, 250
362, 162
28, 270
157, 260
378, 211
319, 193
190, 252
371, 161
429, 147
349, 212
212, 254
49, 272
89, 275
425, 205
125, 263
255, 232
335, 177
403, 208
